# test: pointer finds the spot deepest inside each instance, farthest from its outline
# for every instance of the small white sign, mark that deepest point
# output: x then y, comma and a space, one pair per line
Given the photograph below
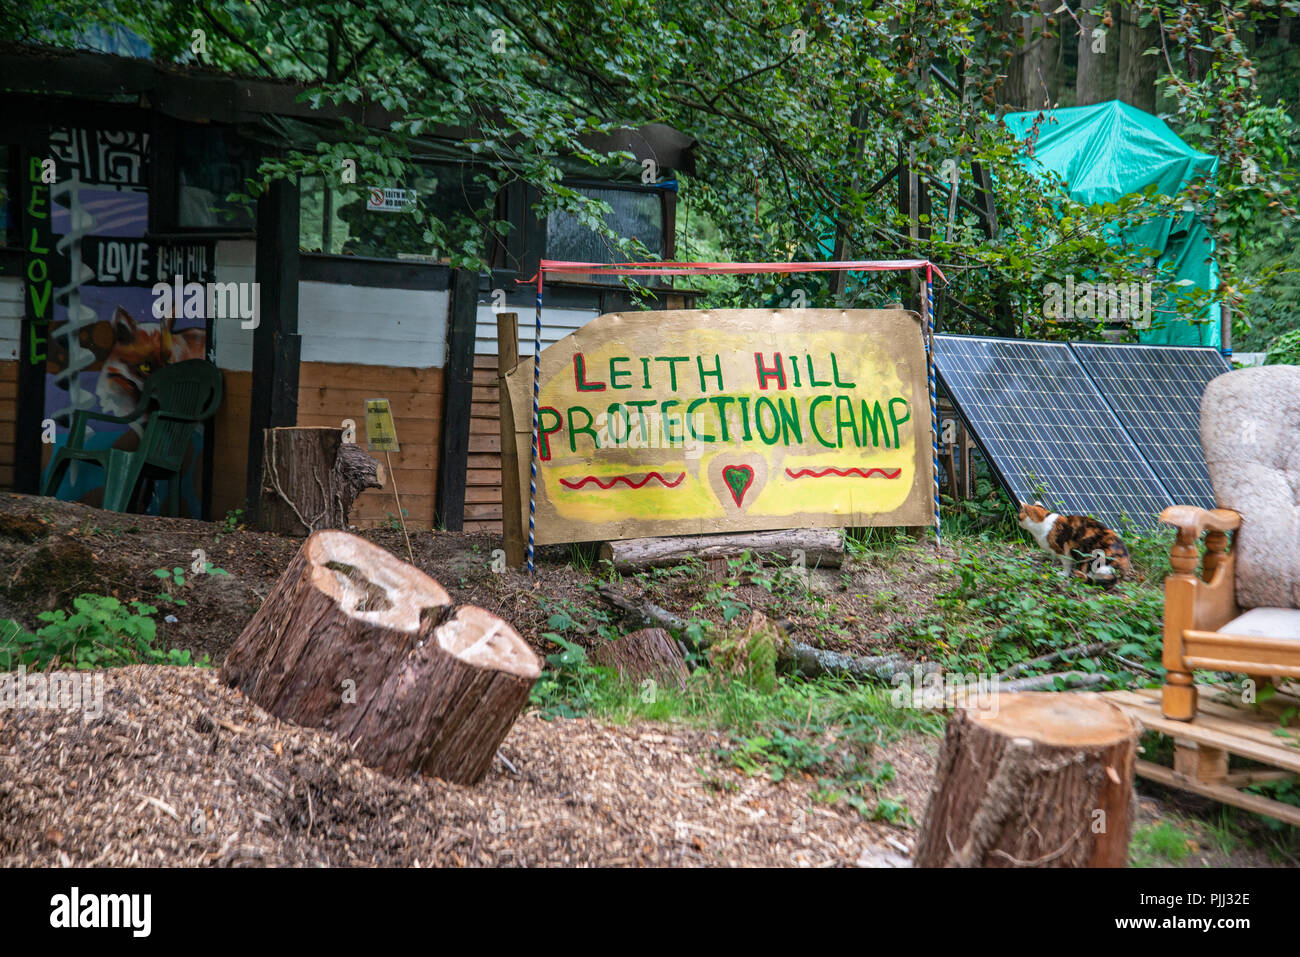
385, 200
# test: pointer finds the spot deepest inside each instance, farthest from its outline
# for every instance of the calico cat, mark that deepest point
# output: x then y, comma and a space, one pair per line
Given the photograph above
1078, 540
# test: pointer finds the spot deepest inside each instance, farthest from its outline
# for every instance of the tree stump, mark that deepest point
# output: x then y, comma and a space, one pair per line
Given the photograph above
1039, 780
310, 478
361, 644
648, 653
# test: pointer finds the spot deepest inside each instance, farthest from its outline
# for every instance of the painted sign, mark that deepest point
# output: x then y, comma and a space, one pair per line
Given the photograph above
389, 200
682, 422
381, 433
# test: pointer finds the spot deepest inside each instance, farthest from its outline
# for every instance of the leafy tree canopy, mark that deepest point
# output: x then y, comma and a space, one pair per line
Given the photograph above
800, 108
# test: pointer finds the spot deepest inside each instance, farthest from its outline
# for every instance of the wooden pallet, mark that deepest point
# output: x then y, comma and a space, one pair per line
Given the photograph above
1222, 727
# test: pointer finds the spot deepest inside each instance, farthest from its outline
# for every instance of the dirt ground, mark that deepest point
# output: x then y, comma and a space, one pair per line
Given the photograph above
52, 551
184, 771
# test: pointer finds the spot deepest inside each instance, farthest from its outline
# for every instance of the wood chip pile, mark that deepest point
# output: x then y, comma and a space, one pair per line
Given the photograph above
181, 771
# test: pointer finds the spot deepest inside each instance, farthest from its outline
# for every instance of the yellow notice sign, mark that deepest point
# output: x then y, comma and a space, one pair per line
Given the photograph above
689, 422
381, 434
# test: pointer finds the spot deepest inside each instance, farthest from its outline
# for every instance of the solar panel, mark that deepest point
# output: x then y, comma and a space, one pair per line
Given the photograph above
1156, 393
1045, 427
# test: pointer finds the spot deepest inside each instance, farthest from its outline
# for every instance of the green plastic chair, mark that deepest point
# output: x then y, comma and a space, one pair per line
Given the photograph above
176, 398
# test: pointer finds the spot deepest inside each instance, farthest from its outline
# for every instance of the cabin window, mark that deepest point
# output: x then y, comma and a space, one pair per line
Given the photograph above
634, 214
211, 164
374, 221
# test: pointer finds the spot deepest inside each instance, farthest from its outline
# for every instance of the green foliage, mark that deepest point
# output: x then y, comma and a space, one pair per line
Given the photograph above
100, 632
1008, 606
1160, 843
233, 522
569, 687
802, 108
989, 512
1284, 350
747, 655
176, 575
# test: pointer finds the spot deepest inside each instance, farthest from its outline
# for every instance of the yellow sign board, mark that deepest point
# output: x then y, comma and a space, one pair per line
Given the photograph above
688, 422
381, 433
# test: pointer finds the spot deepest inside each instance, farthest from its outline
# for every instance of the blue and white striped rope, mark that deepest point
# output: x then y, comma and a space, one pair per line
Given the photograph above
537, 390
934, 396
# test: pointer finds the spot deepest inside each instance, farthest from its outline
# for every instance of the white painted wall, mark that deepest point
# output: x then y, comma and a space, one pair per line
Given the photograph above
364, 325
556, 324
11, 315
373, 326
236, 261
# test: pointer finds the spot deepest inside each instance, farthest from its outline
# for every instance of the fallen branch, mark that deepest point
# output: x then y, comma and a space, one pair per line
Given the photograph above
804, 659
814, 662
648, 612
1135, 667
1075, 651
1072, 679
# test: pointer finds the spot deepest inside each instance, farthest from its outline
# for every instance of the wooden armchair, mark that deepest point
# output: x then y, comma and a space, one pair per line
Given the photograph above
1204, 628
1242, 613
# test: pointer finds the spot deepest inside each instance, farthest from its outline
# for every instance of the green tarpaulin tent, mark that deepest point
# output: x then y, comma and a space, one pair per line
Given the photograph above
1106, 151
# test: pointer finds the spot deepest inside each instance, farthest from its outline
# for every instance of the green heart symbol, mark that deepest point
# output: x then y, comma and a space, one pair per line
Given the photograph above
738, 478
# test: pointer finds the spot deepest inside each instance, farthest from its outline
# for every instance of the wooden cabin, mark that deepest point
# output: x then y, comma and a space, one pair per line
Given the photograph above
117, 171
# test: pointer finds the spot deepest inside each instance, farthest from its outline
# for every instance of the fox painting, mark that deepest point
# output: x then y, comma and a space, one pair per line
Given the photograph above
138, 349
127, 352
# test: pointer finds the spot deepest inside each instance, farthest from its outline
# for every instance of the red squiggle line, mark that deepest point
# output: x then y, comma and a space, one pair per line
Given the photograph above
625, 480
843, 473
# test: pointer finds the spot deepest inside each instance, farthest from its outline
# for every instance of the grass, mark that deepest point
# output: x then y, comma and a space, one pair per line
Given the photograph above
998, 600
1163, 843
1002, 604
825, 729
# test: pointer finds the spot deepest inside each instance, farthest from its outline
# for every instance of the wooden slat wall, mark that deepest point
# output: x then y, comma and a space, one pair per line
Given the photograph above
329, 392
230, 451
483, 476
8, 420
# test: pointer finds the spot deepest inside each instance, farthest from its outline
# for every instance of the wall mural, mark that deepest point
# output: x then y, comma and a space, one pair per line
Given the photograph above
106, 336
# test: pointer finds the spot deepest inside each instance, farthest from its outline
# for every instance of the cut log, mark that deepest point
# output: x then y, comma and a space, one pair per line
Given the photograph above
357, 642
1038, 780
649, 653
310, 478
820, 548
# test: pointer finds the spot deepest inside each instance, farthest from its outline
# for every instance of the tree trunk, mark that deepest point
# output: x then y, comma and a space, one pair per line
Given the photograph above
648, 653
1038, 61
1098, 61
1137, 73
819, 547
1011, 92
357, 642
1036, 780
310, 478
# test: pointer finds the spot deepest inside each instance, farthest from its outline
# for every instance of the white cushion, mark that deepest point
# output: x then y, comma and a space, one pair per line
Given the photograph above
1265, 623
